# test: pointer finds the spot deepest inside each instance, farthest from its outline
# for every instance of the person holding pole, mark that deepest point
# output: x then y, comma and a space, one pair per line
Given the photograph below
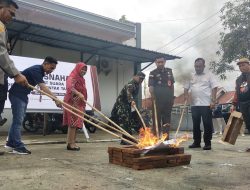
161, 87
76, 95
7, 68
121, 113
203, 86
18, 96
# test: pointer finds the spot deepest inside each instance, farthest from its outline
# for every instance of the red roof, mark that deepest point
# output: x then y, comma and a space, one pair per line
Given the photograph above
226, 98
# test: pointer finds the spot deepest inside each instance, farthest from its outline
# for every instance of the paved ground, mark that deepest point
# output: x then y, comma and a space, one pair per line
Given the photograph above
51, 166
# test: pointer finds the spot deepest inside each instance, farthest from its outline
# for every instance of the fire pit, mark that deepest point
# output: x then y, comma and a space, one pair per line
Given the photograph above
139, 159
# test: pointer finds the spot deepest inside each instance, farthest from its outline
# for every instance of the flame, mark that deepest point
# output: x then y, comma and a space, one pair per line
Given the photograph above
147, 138
178, 141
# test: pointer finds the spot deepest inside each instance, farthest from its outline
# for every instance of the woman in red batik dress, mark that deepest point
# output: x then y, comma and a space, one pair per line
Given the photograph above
76, 93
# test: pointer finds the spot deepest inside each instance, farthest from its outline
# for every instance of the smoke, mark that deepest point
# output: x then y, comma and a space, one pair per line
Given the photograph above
182, 71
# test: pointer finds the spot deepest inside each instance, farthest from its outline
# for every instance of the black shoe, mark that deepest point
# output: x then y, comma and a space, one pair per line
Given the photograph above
1, 153
194, 145
3, 121
73, 149
21, 150
207, 147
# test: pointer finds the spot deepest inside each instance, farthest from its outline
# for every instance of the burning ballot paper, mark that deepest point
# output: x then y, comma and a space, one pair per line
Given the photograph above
148, 141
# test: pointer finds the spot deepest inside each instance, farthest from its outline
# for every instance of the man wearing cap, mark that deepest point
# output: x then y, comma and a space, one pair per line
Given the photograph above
122, 110
242, 95
161, 87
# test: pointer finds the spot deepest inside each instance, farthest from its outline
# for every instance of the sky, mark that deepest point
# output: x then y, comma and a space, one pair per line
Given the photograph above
195, 23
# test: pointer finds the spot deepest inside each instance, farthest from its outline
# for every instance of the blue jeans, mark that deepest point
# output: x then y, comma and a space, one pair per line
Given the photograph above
18, 107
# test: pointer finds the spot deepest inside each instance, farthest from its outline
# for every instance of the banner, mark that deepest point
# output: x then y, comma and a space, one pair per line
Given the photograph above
56, 81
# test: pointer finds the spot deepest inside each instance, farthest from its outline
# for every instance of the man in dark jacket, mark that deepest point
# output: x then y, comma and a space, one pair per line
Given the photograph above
242, 95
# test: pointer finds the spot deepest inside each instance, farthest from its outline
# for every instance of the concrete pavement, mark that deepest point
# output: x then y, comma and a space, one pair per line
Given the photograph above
51, 166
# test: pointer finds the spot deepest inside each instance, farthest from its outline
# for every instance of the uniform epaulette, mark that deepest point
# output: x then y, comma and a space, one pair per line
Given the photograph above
2, 27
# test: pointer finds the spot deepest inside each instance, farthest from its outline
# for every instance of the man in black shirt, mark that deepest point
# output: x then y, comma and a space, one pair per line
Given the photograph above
242, 95
161, 87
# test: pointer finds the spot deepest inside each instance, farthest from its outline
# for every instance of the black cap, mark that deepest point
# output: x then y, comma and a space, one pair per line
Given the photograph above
141, 75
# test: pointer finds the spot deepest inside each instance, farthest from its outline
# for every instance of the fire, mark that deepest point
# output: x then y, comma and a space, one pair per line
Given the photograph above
147, 138
178, 141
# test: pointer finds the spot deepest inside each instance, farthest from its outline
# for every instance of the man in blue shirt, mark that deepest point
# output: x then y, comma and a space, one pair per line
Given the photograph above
18, 96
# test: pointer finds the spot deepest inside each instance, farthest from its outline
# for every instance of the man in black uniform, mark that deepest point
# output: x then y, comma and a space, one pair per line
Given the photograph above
161, 87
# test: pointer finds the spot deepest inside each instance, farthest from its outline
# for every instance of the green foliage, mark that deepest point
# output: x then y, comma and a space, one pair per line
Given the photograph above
235, 40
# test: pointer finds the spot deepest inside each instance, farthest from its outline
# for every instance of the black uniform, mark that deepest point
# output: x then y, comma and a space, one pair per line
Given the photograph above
163, 83
243, 97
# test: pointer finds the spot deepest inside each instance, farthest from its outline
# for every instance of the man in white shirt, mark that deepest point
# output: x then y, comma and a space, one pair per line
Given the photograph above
203, 87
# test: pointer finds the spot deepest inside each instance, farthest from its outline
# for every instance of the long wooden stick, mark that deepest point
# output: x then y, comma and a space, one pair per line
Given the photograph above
99, 127
75, 109
156, 120
180, 121
139, 114
127, 134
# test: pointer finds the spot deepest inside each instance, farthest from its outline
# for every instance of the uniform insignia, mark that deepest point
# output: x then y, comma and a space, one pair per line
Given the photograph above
169, 83
2, 28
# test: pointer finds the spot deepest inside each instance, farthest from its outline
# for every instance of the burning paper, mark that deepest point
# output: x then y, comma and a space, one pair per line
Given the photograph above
149, 141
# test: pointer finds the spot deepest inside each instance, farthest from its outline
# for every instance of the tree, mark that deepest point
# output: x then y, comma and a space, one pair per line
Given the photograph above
235, 40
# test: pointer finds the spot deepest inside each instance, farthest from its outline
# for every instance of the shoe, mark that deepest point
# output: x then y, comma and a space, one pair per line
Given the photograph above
248, 149
9, 148
3, 121
194, 145
1, 153
207, 147
74, 148
22, 151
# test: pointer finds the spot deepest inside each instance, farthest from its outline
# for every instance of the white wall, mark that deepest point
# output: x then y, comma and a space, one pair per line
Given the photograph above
112, 83
109, 85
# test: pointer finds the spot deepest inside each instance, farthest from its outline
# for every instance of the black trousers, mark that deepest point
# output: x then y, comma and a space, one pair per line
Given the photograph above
163, 110
2, 103
245, 110
204, 113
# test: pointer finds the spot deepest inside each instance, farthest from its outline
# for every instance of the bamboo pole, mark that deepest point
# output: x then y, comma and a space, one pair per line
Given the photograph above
99, 127
143, 123
180, 121
75, 109
156, 120
127, 134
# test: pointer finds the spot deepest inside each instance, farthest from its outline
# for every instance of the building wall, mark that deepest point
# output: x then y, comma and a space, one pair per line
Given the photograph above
110, 83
